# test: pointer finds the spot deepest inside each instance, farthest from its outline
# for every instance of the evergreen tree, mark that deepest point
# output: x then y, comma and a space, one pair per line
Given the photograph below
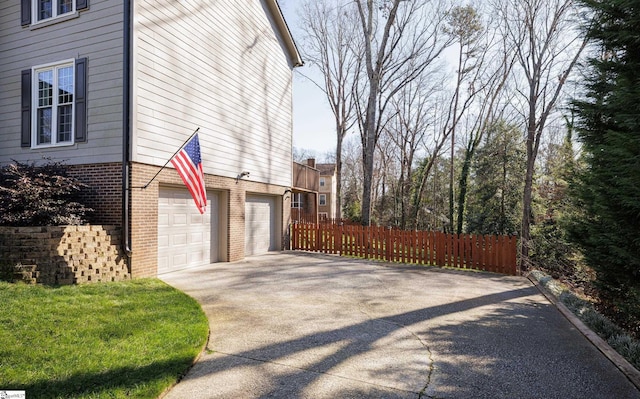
608, 191
552, 206
495, 203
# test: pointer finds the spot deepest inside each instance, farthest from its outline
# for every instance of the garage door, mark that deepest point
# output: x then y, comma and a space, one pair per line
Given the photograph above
260, 225
185, 237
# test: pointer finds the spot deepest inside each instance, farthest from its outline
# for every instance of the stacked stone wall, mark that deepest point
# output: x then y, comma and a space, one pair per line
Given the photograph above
62, 255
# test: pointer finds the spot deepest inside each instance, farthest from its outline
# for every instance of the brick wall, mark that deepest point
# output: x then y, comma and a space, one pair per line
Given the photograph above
144, 214
65, 254
104, 192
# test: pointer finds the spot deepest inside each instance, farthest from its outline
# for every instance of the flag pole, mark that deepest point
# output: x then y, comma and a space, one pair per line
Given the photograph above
169, 160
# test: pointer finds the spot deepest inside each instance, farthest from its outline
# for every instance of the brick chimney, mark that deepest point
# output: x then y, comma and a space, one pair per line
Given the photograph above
311, 162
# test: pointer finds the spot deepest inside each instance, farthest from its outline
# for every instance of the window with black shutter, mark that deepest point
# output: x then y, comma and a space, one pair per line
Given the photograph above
43, 10
54, 107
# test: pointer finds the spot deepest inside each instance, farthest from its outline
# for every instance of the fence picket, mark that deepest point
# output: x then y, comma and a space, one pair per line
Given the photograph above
468, 251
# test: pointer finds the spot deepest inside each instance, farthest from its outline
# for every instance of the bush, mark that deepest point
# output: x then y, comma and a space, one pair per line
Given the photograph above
7, 273
43, 195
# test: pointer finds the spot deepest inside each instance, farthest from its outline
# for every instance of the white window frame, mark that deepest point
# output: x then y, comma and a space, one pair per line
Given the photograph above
54, 11
54, 67
322, 200
322, 182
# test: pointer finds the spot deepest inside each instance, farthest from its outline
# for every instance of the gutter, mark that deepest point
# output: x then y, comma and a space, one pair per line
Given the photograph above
282, 26
126, 128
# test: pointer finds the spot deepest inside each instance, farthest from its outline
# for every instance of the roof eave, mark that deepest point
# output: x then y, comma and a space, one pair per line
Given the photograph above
281, 24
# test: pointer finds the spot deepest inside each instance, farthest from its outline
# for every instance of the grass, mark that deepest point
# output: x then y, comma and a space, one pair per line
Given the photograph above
109, 340
615, 336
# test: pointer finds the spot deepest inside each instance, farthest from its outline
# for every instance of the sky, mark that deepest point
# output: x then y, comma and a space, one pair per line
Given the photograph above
313, 122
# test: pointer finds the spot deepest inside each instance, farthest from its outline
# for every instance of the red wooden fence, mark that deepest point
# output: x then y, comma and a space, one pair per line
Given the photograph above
466, 251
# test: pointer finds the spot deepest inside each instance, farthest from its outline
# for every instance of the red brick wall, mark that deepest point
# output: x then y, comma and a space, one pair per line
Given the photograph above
104, 195
104, 192
144, 213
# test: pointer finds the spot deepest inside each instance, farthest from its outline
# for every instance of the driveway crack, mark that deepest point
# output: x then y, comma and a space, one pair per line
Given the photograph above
422, 392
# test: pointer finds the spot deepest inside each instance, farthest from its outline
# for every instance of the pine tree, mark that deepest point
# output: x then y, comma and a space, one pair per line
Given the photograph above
607, 228
495, 202
551, 250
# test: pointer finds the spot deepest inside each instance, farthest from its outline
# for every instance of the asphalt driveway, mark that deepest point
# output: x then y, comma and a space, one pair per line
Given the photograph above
294, 325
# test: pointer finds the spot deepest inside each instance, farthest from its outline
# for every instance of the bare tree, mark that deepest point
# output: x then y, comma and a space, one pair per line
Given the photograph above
407, 130
465, 27
352, 178
301, 155
401, 38
385, 182
493, 62
437, 137
547, 45
331, 45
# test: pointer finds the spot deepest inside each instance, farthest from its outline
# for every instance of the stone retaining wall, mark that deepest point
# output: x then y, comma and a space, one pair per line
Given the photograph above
62, 255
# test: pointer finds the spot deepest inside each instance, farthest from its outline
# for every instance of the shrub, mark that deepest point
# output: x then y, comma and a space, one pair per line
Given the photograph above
7, 273
44, 195
615, 336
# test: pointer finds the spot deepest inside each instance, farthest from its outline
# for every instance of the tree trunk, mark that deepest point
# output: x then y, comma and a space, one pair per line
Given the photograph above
525, 228
368, 154
462, 191
340, 137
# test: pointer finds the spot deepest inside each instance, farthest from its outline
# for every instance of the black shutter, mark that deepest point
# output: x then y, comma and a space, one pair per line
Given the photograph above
25, 12
82, 4
25, 136
81, 100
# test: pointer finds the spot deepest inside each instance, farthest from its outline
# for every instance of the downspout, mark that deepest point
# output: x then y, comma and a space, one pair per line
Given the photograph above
126, 127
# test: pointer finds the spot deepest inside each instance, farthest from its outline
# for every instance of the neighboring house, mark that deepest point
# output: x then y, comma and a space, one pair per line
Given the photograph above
304, 192
114, 87
327, 191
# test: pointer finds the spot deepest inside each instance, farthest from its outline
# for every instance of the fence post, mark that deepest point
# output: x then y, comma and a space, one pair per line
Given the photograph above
433, 239
513, 258
439, 249
292, 234
494, 253
502, 253
387, 244
337, 248
315, 237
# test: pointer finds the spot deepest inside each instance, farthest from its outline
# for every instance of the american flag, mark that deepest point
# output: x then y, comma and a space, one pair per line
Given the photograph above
188, 163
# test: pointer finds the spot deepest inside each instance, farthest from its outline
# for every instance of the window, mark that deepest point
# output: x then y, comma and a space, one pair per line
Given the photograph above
43, 10
46, 9
53, 104
296, 200
322, 182
323, 199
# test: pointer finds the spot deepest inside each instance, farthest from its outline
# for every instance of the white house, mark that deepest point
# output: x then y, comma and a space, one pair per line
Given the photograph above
115, 87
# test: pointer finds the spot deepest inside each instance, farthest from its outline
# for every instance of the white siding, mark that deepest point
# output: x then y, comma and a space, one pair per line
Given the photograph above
217, 65
97, 33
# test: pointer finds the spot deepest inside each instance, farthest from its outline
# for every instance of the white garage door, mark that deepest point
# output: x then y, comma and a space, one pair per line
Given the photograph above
260, 225
185, 237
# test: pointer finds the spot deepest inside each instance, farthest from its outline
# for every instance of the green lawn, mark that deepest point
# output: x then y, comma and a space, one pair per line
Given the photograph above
108, 340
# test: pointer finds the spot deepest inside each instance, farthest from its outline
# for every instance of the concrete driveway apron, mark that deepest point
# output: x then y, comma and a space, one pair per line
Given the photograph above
294, 325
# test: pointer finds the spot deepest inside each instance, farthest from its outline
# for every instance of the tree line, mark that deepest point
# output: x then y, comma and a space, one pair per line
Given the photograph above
496, 117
